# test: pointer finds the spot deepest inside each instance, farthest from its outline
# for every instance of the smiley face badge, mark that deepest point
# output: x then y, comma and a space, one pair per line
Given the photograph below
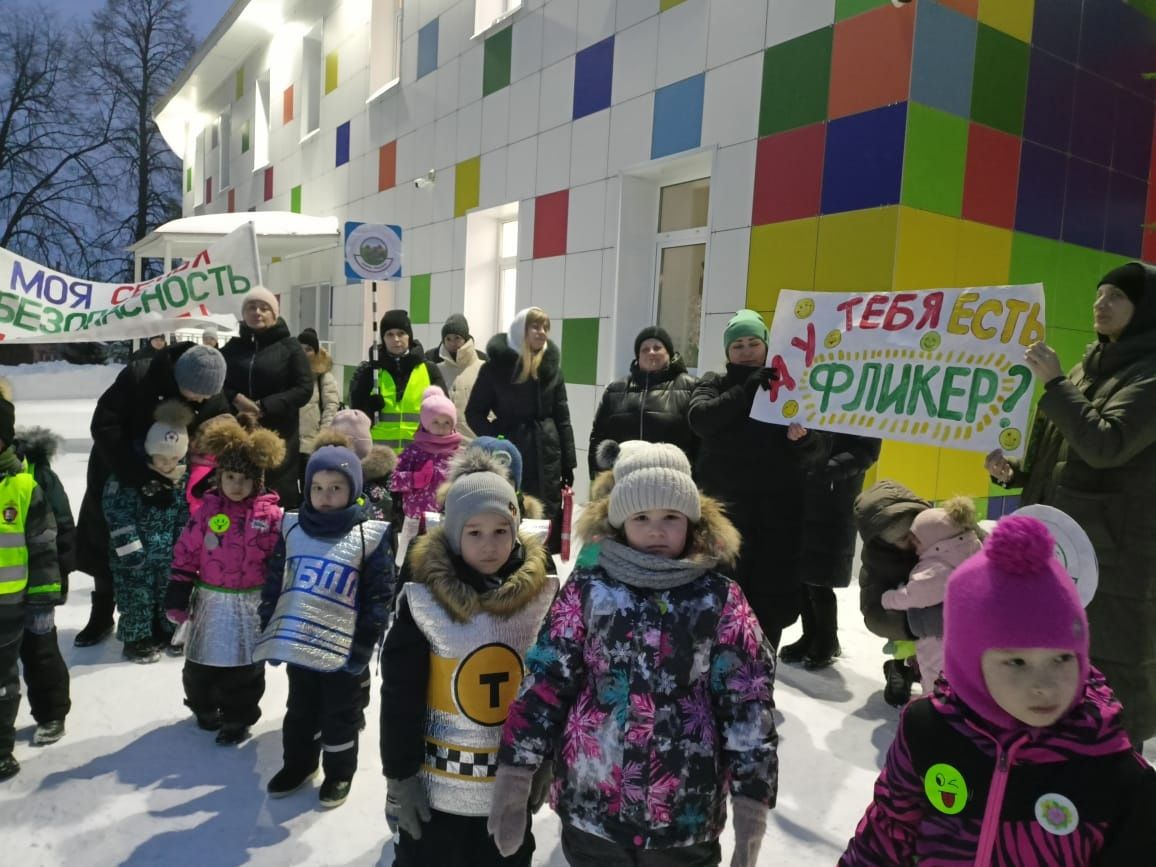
945, 789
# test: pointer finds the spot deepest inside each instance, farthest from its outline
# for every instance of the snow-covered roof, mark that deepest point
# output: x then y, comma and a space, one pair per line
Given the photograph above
279, 233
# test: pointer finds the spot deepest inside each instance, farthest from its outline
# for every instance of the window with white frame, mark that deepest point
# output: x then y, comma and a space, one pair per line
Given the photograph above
224, 138
200, 167
487, 13
312, 75
680, 262
491, 272
262, 113
384, 45
507, 271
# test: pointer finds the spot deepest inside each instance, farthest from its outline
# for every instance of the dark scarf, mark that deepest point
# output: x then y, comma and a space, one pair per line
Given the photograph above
480, 583
10, 463
329, 525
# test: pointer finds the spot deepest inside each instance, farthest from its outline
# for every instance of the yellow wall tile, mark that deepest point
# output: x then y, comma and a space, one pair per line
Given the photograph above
331, 72
782, 257
856, 250
912, 465
467, 185
926, 251
961, 473
1011, 16
984, 257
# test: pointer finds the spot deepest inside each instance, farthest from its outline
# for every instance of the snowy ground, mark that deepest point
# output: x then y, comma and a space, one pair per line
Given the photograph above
134, 781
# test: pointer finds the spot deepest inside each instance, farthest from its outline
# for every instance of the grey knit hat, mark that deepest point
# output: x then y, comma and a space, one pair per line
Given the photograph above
474, 494
200, 370
650, 476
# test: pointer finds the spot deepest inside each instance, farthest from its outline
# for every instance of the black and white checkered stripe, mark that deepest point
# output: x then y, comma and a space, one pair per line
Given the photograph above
461, 763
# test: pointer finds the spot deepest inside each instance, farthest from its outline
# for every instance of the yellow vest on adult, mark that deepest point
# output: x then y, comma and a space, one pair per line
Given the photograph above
15, 498
400, 418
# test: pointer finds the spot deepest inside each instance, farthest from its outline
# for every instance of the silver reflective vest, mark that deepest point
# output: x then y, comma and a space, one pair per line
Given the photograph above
475, 671
312, 625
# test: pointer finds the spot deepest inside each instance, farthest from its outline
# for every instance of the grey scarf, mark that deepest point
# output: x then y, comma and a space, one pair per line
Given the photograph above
647, 572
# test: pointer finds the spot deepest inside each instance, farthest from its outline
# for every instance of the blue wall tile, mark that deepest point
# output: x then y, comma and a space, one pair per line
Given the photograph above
677, 117
1085, 204
1051, 101
1056, 28
863, 164
1095, 114
1127, 197
1040, 200
1132, 138
593, 76
942, 68
427, 49
343, 144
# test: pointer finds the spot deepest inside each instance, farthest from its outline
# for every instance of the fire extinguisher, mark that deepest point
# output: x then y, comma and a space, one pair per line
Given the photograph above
567, 519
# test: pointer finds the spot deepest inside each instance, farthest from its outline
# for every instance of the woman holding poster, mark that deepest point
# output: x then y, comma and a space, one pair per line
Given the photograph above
757, 470
1092, 454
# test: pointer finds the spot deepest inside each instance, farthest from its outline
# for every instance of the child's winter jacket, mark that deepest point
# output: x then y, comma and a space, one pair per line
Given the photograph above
884, 566
652, 679
957, 791
928, 580
417, 478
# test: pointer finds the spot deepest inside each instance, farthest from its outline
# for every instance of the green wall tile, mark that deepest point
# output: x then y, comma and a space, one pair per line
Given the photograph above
496, 63
851, 8
663, 5
1069, 345
295, 199
245, 137
239, 83
934, 160
999, 89
580, 350
188, 180
796, 81
419, 285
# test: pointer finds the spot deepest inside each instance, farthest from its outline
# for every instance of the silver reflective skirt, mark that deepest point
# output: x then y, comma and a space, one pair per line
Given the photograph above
223, 626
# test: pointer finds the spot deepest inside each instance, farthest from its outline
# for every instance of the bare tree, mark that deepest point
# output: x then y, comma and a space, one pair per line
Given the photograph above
54, 145
139, 48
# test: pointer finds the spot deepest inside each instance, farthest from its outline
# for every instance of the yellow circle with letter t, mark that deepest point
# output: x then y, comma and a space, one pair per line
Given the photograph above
486, 682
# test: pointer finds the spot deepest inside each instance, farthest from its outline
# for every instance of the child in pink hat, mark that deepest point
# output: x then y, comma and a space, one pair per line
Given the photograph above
1019, 756
424, 465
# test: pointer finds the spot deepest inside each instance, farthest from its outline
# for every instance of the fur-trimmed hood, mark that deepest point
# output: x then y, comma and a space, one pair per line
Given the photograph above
379, 463
38, 444
432, 564
713, 539
321, 362
501, 355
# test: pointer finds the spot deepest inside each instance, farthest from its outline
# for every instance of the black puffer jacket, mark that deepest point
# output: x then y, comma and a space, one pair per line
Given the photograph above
123, 415
533, 415
884, 566
828, 510
271, 367
646, 406
38, 446
758, 474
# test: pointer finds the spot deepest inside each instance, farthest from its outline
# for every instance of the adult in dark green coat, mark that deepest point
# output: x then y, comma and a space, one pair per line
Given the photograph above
1092, 454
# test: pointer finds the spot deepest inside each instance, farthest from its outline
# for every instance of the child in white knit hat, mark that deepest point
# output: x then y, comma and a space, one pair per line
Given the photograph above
475, 594
650, 686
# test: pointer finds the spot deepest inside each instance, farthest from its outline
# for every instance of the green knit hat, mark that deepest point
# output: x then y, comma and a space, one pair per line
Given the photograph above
745, 323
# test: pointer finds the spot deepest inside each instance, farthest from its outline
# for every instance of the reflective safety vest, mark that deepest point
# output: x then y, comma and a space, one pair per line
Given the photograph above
15, 498
398, 420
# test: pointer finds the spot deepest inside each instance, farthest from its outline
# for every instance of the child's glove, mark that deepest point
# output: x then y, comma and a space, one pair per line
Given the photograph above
39, 620
359, 656
409, 799
750, 824
540, 786
507, 822
376, 404
423, 475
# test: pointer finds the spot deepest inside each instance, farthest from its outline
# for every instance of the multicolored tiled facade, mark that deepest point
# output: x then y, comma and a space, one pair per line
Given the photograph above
854, 146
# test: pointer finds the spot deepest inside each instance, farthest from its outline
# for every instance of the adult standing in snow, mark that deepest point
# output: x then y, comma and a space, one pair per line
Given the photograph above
459, 361
388, 388
649, 403
268, 381
1092, 454
124, 413
319, 412
522, 388
829, 494
757, 470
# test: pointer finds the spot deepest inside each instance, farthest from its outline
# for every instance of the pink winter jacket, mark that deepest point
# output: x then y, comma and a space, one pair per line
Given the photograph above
928, 580
417, 477
233, 555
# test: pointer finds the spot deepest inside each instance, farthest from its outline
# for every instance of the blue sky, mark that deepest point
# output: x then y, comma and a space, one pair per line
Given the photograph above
203, 14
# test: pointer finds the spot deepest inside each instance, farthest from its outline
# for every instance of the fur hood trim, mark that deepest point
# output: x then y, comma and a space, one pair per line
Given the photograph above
321, 362
39, 444
379, 463
260, 447
532, 508
432, 565
5, 389
713, 539
602, 485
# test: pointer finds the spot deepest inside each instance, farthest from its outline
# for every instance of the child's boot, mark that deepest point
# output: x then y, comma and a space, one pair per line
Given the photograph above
287, 781
334, 792
48, 733
232, 734
897, 692
143, 651
9, 768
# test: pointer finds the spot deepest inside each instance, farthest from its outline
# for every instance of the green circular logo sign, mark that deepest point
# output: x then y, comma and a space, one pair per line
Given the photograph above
219, 524
945, 788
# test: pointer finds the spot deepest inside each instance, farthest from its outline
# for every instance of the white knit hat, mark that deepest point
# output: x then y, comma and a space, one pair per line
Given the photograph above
651, 476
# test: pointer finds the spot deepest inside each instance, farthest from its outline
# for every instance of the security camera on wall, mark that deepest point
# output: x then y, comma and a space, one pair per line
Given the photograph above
425, 181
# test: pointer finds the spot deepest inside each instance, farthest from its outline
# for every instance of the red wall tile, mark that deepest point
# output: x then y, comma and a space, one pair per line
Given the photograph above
287, 104
871, 60
789, 175
991, 179
551, 218
387, 166
268, 183
232, 206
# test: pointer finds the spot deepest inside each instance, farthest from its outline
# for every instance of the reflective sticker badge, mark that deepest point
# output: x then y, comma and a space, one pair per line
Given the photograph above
1057, 814
945, 789
220, 524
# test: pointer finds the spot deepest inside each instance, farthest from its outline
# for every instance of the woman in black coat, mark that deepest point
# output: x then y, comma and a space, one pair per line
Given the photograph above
650, 403
123, 415
521, 386
829, 494
268, 381
757, 470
